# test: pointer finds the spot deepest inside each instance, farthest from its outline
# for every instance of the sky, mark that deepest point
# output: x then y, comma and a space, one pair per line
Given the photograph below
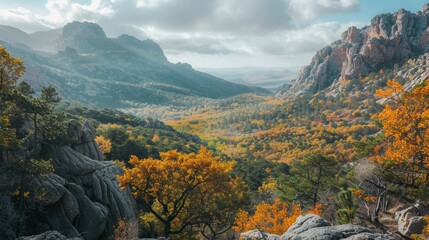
213, 33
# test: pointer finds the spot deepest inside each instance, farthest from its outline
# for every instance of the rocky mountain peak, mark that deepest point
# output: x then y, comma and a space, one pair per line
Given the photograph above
83, 30
390, 38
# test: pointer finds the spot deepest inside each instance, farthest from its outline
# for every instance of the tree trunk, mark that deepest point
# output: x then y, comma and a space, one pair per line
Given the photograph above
1, 154
167, 229
152, 229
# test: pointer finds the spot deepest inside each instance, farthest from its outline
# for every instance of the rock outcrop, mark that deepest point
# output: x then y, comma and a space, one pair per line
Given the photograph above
390, 38
313, 227
82, 197
258, 234
49, 235
410, 220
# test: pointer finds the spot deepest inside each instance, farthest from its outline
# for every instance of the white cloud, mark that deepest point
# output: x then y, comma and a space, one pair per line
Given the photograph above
149, 3
61, 12
214, 29
311, 9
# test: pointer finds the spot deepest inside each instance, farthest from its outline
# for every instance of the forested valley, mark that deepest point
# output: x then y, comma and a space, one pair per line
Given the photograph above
340, 152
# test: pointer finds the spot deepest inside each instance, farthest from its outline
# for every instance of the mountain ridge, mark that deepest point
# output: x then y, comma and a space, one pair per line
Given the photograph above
390, 38
90, 67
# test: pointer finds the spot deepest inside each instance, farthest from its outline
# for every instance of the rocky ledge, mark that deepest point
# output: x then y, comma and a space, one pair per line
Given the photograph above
313, 227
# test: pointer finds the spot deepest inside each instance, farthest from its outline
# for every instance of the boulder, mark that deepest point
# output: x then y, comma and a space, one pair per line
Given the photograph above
50, 235
82, 138
313, 227
257, 234
410, 220
304, 223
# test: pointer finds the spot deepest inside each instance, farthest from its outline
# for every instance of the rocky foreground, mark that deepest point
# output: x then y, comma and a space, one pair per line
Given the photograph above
313, 227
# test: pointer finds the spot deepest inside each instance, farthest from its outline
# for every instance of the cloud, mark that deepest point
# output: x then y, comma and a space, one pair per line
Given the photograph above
64, 11
252, 28
311, 9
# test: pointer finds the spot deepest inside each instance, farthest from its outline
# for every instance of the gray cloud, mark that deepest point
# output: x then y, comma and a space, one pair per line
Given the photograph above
212, 28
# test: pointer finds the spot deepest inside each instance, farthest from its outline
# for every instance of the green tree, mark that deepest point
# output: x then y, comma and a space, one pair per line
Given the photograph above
308, 179
348, 207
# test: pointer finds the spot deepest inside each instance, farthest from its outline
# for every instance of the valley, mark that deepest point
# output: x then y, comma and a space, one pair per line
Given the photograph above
104, 138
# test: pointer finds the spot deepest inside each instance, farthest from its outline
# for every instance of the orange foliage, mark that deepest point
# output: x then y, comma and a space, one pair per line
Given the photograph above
273, 218
316, 209
405, 121
104, 144
179, 189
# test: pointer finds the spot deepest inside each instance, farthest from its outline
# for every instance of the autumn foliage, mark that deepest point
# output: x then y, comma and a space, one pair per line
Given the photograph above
405, 121
274, 218
104, 144
182, 190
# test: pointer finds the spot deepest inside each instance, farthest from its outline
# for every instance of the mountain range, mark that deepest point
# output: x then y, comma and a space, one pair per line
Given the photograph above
87, 66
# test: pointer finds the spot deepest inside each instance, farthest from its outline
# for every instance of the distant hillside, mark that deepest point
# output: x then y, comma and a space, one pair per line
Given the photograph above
390, 39
269, 78
89, 67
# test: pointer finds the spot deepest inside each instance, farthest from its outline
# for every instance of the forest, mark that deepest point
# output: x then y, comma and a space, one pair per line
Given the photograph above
348, 158
104, 137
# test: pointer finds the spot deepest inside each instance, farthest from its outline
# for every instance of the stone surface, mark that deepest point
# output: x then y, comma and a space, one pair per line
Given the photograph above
257, 234
410, 220
82, 137
388, 39
313, 227
304, 223
50, 235
81, 198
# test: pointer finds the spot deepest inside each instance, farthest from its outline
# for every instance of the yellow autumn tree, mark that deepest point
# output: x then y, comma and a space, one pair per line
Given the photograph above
183, 190
155, 138
405, 120
11, 70
104, 144
274, 218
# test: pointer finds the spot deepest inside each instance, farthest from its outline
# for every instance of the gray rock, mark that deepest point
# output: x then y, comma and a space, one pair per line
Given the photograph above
258, 235
313, 227
82, 197
82, 138
304, 223
410, 220
50, 235
74, 131
388, 38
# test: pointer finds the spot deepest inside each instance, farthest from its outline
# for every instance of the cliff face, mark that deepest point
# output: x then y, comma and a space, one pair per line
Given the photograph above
81, 198
390, 38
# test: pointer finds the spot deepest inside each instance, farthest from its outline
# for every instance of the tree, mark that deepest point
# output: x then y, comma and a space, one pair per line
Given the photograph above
308, 178
182, 190
274, 218
11, 69
404, 156
104, 144
27, 124
348, 207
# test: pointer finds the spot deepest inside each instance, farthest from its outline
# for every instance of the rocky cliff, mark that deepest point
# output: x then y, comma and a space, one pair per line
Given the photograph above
389, 39
81, 198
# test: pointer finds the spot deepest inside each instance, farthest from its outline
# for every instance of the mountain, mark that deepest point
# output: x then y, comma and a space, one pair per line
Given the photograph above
87, 66
269, 78
389, 39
